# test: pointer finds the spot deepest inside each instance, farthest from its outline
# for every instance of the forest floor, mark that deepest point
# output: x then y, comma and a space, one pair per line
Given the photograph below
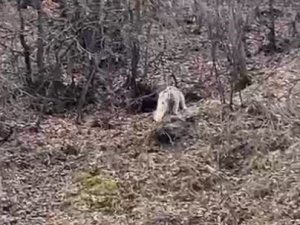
241, 169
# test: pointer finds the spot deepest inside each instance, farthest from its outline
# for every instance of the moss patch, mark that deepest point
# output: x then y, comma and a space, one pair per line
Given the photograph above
97, 193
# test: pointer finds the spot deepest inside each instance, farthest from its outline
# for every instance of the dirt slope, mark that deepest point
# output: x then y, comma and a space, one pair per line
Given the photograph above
242, 170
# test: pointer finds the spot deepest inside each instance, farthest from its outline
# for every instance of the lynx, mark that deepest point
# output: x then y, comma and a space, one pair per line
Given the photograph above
169, 100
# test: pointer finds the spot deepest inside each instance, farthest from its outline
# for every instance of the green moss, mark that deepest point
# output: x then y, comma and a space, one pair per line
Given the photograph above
99, 185
97, 192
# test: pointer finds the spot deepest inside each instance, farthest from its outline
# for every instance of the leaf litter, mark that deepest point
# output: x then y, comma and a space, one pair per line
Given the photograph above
241, 169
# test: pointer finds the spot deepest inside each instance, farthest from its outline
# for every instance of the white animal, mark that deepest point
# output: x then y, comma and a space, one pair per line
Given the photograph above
169, 100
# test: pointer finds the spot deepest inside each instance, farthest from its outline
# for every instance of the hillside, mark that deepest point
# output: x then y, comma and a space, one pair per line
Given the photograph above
226, 166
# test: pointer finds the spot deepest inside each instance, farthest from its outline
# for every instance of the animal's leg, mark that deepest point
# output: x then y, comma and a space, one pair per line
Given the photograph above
159, 114
162, 107
240, 96
176, 105
182, 101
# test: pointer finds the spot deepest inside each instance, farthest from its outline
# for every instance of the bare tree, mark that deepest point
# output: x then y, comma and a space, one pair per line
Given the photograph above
236, 51
271, 34
136, 26
226, 32
214, 34
40, 42
26, 48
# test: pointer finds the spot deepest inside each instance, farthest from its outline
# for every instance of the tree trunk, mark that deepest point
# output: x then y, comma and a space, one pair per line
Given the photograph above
26, 48
40, 43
